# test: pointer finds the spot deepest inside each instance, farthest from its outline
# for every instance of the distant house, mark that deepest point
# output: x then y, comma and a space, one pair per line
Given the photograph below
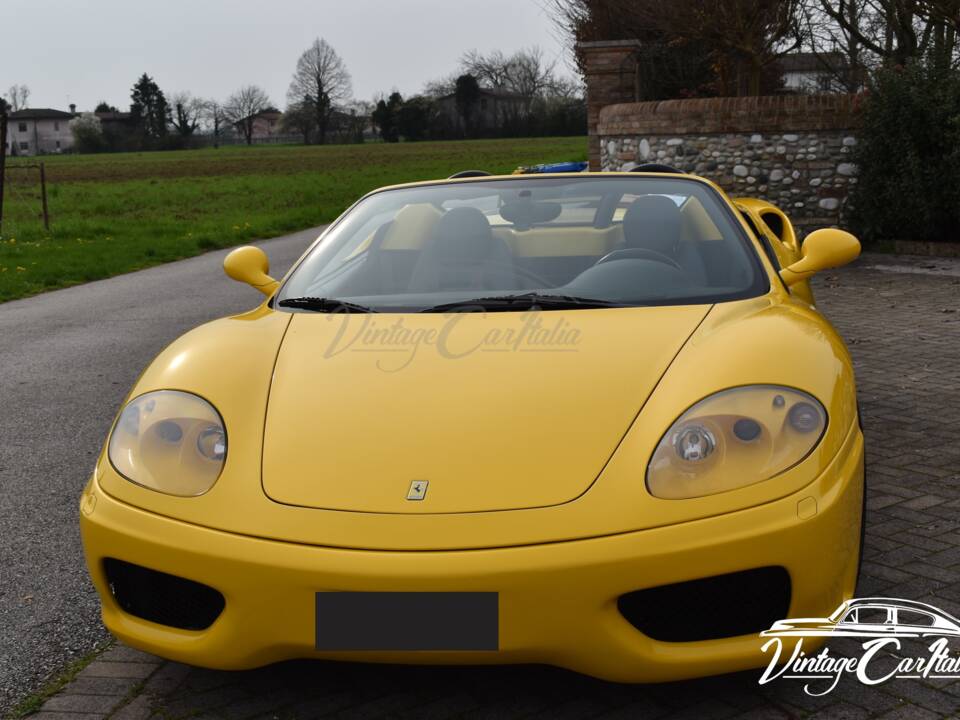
266, 124
116, 121
493, 109
814, 72
348, 126
38, 131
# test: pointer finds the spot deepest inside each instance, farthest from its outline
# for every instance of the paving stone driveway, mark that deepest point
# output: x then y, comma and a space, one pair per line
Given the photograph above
901, 318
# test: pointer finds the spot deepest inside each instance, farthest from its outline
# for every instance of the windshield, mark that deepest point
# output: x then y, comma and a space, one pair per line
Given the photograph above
592, 241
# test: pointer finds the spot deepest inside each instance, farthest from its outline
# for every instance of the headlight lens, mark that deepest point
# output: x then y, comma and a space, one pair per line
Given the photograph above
169, 441
735, 438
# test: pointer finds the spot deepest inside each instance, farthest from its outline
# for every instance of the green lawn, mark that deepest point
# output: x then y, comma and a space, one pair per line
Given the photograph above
111, 214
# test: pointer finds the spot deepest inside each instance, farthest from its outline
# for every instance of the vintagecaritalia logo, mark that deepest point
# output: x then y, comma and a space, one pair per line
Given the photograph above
885, 625
397, 343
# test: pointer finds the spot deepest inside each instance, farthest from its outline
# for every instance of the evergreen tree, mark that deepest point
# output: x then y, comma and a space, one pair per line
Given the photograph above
150, 108
415, 118
386, 116
467, 98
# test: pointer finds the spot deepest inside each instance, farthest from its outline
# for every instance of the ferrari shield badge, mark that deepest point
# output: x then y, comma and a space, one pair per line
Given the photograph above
418, 490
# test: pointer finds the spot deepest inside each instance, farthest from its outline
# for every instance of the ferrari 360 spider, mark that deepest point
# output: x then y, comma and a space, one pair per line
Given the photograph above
589, 420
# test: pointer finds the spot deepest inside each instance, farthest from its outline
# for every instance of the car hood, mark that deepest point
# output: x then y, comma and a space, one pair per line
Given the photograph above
496, 411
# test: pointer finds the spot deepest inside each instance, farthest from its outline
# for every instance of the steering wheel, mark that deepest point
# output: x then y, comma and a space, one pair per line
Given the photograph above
639, 254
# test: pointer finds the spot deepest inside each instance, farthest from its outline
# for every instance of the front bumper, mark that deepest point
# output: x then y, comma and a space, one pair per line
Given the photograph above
558, 602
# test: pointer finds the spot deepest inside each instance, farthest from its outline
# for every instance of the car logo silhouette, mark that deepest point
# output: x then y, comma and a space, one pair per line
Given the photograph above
872, 618
418, 490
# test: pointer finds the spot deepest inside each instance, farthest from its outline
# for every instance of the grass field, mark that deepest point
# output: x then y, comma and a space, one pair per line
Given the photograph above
111, 214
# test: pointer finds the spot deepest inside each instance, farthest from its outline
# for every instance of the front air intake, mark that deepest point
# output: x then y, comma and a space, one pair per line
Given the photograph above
740, 603
162, 598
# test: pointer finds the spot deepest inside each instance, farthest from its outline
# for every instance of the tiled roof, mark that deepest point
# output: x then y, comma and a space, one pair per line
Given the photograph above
40, 114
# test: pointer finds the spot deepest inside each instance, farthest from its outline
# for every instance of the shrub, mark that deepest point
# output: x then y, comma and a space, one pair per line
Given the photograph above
909, 157
87, 134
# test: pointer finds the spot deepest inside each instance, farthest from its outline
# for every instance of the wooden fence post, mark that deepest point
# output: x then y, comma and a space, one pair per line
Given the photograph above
43, 195
3, 155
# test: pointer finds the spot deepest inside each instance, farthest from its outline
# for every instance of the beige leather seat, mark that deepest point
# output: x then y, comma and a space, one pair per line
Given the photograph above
463, 254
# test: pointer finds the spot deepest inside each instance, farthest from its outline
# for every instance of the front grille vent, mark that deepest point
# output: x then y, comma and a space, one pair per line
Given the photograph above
162, 598
740, 603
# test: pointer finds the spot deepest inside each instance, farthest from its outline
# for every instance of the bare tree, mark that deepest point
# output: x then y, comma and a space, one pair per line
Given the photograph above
18, 96
491, 70
529, 75
321, 80
838, 51
445, 85
745, 36
242, 109
566, 89
215, 115
357, 119
741, 39
187, 112
526, 74
299, 118
667, 66
886, 28
945, 11
943, 16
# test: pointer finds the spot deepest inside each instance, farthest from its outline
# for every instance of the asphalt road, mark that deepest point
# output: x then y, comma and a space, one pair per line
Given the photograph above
67, 358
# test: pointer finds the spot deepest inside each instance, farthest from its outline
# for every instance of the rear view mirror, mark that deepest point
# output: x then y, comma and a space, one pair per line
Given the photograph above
524, 213
822, 250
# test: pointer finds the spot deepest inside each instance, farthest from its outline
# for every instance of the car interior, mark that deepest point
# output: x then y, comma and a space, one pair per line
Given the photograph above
612, 245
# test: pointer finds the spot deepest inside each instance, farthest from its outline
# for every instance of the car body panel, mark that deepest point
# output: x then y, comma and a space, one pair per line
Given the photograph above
744, 341
557, 600
785, 245
768, 215
491, 426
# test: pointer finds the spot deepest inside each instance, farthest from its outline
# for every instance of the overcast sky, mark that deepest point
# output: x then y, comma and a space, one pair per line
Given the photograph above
83, 51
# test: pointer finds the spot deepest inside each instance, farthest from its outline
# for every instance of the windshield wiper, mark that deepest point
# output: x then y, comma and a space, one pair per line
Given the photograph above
525, 301
324, 305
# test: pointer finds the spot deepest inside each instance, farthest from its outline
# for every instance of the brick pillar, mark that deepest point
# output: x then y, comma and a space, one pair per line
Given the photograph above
610, 71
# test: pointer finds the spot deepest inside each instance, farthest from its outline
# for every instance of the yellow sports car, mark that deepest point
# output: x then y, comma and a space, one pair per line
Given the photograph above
588, 420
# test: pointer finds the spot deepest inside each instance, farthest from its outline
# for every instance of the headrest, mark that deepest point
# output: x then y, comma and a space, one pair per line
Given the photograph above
463, 233
653, 222
410, 226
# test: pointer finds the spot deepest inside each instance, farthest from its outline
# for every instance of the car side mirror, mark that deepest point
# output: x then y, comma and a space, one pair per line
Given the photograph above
250, 265
822, 250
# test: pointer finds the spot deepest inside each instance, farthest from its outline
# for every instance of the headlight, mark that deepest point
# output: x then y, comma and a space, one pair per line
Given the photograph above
735, 438
169, 441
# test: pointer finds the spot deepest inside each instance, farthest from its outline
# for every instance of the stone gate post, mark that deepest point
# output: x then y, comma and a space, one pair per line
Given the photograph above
610, 71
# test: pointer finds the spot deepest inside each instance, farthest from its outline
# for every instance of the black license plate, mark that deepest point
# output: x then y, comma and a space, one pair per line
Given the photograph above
408, 621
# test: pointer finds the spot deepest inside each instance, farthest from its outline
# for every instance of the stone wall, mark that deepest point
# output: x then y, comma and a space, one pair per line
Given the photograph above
791, 150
